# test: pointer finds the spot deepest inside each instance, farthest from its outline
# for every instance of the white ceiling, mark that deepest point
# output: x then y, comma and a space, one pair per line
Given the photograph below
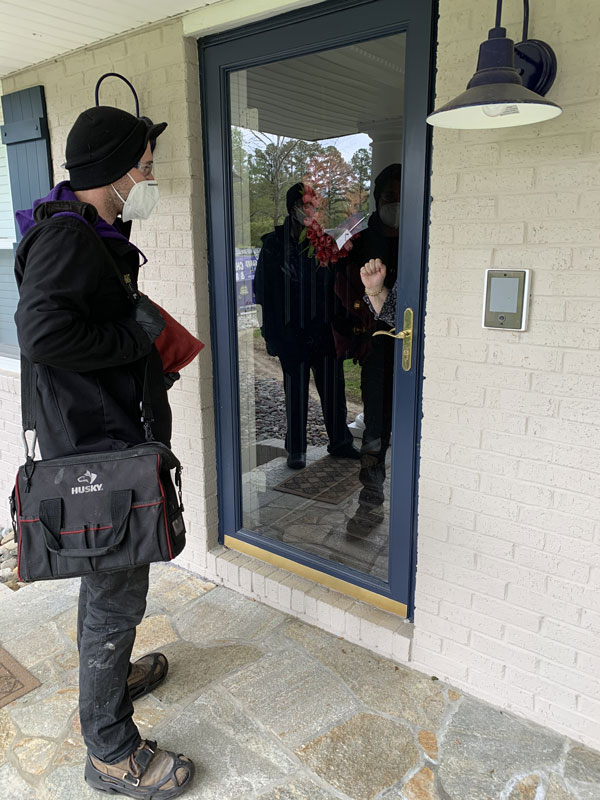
352, 89
35, 30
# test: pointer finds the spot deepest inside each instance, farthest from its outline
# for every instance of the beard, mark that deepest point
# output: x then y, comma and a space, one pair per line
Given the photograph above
113, 201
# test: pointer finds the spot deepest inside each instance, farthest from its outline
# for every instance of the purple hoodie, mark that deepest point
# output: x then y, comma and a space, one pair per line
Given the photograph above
62, 192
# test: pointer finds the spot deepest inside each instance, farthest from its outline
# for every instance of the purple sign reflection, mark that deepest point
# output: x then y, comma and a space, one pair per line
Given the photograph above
245, 267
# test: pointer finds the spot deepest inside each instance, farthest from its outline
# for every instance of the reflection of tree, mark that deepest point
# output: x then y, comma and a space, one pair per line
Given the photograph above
330, 175
358, 194
270, 176
278, 162
302, 155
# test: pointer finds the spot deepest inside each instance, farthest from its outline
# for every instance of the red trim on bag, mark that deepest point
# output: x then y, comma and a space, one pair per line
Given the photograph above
84, 530
18, 524
164, 507
138, 505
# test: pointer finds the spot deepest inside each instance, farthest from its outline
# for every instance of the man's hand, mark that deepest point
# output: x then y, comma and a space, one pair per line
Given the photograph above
373, 274
148, 317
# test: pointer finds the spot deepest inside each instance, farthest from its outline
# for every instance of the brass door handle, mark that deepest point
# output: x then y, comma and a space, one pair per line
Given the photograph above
407, 338
402, 335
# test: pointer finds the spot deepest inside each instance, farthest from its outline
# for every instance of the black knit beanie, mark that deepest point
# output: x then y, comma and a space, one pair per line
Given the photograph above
292, 196
393, 172
104, 144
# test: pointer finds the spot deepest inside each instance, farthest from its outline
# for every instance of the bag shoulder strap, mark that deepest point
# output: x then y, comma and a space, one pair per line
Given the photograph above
28, 389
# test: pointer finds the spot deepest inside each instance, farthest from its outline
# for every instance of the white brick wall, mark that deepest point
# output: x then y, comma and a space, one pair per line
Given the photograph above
11, 449
380, 631
508, 575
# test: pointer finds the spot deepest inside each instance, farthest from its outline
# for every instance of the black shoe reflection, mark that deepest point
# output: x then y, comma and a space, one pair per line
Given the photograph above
365, 519
347, 451
296, 460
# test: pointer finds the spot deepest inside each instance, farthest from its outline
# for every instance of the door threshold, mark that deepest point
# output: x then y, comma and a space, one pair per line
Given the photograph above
329, 581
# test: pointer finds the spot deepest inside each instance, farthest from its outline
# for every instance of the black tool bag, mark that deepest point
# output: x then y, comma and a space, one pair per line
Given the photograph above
95, 512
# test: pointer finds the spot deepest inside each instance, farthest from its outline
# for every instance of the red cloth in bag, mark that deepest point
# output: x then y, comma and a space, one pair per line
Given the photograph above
176, 345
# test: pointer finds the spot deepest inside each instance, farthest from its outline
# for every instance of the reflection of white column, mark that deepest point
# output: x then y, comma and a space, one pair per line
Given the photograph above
240, 188
240, 183
386, 147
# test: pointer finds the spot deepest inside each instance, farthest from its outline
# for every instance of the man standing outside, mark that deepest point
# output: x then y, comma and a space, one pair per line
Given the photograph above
91, 350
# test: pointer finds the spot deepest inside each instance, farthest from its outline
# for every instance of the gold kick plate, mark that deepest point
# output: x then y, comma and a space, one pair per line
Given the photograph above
407, 338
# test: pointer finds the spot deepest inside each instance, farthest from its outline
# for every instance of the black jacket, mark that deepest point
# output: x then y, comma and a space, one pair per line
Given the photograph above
74, 322
354, 322
296, 296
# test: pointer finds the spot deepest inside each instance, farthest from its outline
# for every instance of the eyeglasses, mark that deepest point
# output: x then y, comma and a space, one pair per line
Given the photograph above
145, 167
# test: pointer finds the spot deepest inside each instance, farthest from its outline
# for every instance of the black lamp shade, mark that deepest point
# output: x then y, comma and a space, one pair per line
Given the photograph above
495, 96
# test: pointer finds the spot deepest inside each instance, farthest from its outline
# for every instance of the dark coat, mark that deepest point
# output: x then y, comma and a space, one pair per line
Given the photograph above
74, 322
354, 322
296, 296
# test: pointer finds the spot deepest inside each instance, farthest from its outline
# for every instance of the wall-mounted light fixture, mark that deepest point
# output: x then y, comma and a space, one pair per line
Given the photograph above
509, 85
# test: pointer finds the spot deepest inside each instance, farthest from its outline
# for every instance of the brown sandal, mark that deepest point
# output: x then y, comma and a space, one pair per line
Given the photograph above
127, 776
146, 674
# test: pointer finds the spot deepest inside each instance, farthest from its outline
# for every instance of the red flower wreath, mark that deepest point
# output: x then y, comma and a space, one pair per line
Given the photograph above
321, 245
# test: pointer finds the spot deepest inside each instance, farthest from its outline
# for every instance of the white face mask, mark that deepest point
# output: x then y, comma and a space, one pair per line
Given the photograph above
389, 214
141, 200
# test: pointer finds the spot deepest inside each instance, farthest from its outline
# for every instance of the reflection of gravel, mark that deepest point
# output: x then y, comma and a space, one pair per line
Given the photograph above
270, 413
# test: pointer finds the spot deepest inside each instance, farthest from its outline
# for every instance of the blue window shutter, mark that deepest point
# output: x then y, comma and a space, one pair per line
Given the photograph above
25, 134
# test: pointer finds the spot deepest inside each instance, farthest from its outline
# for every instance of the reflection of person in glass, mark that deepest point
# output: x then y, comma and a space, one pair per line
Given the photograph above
354, 328
296, 296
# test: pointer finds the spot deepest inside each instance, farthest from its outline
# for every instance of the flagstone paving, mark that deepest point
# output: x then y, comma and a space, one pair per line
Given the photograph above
270, 708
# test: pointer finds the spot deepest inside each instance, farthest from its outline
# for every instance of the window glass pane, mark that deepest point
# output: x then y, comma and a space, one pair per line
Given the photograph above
8, 286
316, 172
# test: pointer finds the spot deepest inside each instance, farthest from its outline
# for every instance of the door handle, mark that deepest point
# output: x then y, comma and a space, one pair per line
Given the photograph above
402, 335
407, 338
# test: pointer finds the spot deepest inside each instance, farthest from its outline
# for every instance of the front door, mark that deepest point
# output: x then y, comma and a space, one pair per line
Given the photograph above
317, 149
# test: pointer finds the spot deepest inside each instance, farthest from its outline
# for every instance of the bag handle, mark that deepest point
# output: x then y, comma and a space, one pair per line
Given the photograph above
51, 519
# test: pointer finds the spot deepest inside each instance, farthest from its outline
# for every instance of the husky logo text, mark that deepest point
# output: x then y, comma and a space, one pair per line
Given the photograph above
88, 479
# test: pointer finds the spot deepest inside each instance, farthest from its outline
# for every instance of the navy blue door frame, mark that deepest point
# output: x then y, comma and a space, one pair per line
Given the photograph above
322, 27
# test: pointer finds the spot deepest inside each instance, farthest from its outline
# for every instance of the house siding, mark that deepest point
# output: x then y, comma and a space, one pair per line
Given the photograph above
508, 572
508, 579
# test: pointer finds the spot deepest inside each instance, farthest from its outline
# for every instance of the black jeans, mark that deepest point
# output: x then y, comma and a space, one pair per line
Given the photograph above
328, 372
377, 389
111, 605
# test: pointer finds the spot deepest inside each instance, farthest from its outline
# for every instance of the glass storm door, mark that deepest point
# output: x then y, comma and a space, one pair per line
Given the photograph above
317, 148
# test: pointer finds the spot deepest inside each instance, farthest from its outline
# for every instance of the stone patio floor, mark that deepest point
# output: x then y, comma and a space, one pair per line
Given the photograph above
270, 708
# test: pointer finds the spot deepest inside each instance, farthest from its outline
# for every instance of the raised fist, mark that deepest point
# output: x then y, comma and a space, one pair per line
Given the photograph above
373, 274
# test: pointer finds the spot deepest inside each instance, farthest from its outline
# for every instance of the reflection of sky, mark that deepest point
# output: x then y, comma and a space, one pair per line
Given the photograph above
347, 145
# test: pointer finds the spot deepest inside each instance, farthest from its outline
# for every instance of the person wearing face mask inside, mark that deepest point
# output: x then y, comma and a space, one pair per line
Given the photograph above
354, 325
91, 349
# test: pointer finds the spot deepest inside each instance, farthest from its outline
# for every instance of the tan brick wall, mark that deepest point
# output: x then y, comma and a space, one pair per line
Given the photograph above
508, 577
11, 449
163, 66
